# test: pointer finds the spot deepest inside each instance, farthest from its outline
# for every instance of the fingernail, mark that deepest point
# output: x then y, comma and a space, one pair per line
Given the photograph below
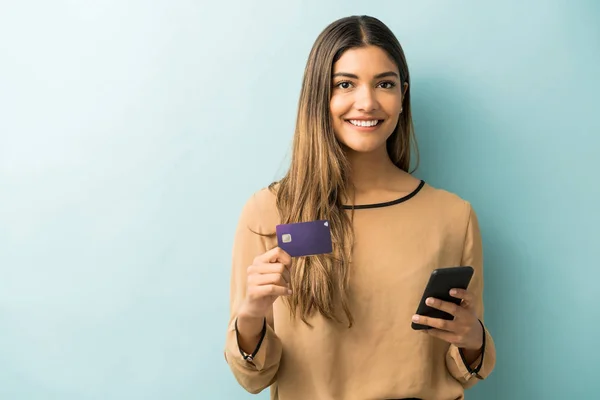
415, 318
453, 292
289, 291
429, 301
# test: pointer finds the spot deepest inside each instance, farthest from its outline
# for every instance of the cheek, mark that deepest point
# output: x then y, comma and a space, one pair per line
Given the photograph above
392, 104
338, 106
392, 109
394, 118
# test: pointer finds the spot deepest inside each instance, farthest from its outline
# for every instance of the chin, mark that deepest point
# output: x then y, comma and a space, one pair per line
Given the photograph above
363, 140
363, 146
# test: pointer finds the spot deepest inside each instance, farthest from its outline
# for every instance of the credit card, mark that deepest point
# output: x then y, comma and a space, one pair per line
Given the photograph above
305, 238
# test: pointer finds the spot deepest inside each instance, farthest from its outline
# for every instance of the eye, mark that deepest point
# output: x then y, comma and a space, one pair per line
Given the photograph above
343, 85
388, 84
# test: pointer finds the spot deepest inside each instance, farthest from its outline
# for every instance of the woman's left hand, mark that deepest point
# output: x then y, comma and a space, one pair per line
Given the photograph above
465, 331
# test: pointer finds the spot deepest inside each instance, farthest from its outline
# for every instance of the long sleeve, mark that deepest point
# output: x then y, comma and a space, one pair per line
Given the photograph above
469, 375
259, 373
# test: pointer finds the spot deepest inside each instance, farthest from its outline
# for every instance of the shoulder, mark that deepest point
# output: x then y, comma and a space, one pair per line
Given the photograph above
260, 209
446, 205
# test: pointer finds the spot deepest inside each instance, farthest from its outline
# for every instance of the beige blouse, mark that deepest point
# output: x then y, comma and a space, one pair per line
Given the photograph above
397, 245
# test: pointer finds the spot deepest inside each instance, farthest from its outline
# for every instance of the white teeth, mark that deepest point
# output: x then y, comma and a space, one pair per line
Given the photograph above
363, 123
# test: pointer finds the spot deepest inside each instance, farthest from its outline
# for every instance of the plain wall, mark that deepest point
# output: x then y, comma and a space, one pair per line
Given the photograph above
131, 133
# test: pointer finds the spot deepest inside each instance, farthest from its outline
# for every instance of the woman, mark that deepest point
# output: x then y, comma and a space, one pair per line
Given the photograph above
338, 326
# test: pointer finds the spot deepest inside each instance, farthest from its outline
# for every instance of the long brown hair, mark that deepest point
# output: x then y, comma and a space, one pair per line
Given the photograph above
318, 177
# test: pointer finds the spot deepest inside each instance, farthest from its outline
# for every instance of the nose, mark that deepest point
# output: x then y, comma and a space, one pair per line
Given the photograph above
365, 99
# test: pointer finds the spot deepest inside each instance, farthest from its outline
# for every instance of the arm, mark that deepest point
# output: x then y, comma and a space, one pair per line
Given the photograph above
252, 349
469, 366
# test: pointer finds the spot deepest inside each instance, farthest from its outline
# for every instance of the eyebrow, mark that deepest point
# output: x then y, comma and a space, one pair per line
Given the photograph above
378, 76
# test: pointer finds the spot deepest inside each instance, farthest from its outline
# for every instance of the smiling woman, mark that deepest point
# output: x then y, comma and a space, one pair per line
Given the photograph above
339, 325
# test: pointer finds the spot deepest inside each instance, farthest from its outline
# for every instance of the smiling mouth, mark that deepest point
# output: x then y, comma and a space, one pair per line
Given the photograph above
365, 123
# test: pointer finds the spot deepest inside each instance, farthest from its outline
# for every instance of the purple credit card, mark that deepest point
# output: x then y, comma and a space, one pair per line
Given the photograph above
305, 238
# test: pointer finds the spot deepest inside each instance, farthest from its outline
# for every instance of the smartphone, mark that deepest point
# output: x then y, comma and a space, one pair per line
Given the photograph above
305, 238
441, 281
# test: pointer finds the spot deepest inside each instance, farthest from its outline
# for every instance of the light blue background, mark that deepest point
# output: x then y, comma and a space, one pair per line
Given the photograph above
131, 133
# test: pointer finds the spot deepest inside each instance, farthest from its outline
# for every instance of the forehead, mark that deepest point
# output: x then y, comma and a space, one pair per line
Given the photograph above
365, 62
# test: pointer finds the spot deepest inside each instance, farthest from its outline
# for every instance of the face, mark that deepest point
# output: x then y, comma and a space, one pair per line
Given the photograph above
366, 99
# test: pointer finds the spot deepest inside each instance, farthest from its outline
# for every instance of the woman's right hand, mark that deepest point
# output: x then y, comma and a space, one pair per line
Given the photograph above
268, 278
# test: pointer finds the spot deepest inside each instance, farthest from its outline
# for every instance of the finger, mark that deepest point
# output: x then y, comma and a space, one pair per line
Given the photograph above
276, 255
275, 268
268, 279
446, 306
257, 292
271, 268
463, 294
442, 324
444, 335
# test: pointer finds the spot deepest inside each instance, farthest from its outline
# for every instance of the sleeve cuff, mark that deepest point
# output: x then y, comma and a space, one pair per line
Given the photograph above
264, 356
250, 357
474, 368
480, 368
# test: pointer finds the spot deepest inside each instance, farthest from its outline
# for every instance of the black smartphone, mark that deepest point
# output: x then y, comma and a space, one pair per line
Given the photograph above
441, 281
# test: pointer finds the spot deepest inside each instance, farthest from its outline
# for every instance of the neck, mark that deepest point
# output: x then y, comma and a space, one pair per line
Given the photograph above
370, 171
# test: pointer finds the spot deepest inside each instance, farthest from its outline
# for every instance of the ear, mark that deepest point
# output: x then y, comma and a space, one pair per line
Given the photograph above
404, 89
